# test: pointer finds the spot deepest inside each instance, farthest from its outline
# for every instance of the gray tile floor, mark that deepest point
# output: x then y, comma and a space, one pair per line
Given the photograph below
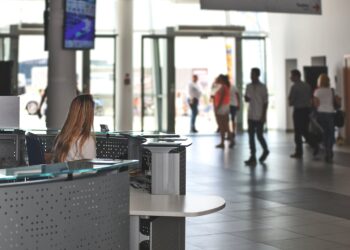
283, 204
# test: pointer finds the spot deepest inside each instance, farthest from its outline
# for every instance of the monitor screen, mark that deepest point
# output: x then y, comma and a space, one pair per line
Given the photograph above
9, 112
79, 24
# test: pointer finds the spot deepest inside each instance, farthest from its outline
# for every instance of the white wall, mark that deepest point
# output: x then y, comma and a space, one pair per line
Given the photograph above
304, 36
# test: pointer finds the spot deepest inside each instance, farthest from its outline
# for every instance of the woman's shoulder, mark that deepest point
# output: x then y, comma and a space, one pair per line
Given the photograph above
323, 90
317, 91
91, 139
90, 142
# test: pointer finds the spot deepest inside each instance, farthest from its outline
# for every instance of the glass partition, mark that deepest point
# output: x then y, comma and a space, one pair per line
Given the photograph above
65, 168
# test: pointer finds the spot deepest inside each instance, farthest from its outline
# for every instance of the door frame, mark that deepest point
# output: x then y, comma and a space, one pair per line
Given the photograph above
290, 64
346, 96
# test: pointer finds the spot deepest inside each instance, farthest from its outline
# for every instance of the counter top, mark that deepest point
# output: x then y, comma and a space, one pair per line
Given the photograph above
167, 142
64, 168
154, 139
145, 204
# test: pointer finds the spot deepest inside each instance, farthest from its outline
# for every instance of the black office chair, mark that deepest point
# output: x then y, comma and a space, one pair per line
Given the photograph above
35, 150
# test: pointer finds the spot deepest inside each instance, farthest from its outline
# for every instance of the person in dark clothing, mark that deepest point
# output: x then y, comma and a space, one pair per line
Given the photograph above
300, 98
194, 95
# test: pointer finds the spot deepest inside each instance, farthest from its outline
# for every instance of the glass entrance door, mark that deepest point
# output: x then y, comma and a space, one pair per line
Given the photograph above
157, 84
158, 76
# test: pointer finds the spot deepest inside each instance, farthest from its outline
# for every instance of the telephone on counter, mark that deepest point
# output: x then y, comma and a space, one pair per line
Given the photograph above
104, 128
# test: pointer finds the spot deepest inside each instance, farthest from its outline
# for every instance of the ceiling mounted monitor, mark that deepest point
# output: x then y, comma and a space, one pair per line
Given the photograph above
285, 6
79, 24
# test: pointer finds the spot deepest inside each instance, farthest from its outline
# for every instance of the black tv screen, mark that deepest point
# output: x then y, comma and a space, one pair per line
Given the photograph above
79, 24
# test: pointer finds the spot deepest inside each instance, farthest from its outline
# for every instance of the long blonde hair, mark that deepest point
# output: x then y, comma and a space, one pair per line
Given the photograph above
77, 126
323, 81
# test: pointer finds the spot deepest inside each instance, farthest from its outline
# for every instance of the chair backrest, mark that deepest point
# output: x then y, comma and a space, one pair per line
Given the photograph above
34, 149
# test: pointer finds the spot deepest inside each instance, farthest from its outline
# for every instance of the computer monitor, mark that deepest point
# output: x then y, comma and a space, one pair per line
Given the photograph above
9, 112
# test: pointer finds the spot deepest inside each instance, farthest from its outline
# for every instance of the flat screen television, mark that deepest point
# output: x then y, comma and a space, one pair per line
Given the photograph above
79, 24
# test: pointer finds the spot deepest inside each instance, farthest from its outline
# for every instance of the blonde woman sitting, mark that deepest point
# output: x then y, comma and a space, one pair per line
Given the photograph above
76, 141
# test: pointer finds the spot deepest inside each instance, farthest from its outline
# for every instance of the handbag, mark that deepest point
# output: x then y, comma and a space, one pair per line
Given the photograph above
336, 104
339, 118
339, 115
315, 130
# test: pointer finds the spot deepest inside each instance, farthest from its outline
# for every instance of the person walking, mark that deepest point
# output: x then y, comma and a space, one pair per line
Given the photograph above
300, 98
234, 108
194, 95
325, 101
222, 109
257, 97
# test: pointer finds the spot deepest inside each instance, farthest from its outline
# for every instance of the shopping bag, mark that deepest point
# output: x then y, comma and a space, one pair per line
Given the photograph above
315, 129
339, 118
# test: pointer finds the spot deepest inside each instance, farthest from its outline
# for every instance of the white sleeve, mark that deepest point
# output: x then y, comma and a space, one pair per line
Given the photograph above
89, 149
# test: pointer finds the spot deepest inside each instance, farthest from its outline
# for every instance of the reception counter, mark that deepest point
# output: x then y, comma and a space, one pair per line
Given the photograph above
85, 204
75, 205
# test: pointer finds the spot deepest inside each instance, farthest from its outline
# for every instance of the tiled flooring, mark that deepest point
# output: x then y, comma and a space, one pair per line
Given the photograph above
283, 204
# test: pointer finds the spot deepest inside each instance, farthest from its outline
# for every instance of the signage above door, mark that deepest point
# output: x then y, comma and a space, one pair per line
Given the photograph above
285, 6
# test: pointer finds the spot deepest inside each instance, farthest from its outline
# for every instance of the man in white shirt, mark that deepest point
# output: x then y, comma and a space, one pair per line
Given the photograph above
194, 93
257, 97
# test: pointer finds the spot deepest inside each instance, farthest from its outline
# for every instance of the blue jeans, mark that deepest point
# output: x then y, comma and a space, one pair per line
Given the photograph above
194, 109
326, 120
233, 112
258, 128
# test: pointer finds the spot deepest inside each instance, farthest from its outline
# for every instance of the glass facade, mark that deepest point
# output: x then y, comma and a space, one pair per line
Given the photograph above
192, 54
206, 56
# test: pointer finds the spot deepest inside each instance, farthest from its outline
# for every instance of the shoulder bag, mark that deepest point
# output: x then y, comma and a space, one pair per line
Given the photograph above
339, 115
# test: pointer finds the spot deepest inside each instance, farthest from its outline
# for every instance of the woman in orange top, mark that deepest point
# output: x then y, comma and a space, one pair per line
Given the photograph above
222, 109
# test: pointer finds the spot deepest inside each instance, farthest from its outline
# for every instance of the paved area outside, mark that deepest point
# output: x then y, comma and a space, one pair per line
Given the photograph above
282, 204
